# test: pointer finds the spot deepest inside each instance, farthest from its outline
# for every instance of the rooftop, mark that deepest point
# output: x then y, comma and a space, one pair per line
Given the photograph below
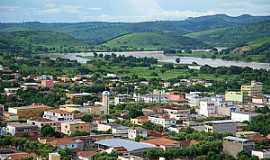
161, 141
128, 144
17, 124
34, 105
236, 139
221, 121
59, 111
86, 154
63, 141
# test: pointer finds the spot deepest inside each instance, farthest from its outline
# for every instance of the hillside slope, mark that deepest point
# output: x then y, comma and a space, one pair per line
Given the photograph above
99, 32
153, 41
21, 41
233, 36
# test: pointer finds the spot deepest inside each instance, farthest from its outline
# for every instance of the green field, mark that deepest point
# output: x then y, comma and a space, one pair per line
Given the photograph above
145, 72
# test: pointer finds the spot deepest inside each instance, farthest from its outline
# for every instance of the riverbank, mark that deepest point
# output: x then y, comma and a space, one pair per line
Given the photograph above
84, 57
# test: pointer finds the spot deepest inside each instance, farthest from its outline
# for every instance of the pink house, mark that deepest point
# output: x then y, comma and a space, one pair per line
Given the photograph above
47, 83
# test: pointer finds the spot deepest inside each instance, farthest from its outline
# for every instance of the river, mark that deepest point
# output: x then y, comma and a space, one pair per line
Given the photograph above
84, 57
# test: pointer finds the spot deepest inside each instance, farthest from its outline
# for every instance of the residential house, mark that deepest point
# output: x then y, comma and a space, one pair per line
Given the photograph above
86, 155
58, 115
131, 147
129, 157
243, 116
177, 112
66, 142
234, 145
163, 120
207, 108
28, 112
16, 156
261, 154
47, 83
163, 143
22, 129
70, 127
252, 90
222, 126
139, 120
137, 132
26, 86
236, 97
40, 122
54, 156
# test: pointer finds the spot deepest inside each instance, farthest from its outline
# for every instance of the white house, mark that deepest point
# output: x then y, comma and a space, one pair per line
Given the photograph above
178, 113
135, 132
58, 115
261, 154
162, 120
243, 116
207, 108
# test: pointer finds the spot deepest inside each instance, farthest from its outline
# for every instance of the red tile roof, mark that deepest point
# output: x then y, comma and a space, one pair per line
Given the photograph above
86, 154
161, 141
62, 141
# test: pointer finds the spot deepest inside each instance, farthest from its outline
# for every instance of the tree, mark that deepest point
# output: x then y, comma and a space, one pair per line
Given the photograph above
133, 113
47, 131
87, 117
177, 60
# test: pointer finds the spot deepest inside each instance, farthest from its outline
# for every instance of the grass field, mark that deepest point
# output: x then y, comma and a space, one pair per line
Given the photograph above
145, 72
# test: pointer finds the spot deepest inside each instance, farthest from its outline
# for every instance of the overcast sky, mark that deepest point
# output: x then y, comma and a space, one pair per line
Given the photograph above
124, 10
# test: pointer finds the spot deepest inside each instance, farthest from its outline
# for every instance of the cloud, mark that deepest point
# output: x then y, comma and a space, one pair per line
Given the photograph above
124, 10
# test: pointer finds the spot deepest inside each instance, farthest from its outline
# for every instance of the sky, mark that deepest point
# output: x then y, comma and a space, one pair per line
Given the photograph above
124, 10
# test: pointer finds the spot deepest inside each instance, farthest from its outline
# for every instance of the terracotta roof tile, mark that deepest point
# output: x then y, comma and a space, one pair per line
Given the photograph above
161, 141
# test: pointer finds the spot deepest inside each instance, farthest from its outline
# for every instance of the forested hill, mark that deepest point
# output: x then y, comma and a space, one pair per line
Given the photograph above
99, 32
38, 41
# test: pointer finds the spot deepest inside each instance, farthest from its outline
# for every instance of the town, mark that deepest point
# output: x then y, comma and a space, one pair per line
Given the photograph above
71, 116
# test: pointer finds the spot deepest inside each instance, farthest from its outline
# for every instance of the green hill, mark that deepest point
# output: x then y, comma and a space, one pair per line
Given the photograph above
100, 32
153, 41
40, 41
258, 49
233, 36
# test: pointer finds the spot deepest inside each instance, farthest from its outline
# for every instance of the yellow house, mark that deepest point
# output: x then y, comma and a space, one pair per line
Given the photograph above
73, 126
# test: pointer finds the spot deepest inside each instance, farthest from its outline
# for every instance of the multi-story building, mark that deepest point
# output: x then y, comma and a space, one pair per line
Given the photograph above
207, 108
237, 97
233, 145
105, 102
178, 113
137, 132
28, 112
22, 129
58, 115
163, 120
121, 99
40, 122
73, 126
243, 116
222, 126
253, 90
